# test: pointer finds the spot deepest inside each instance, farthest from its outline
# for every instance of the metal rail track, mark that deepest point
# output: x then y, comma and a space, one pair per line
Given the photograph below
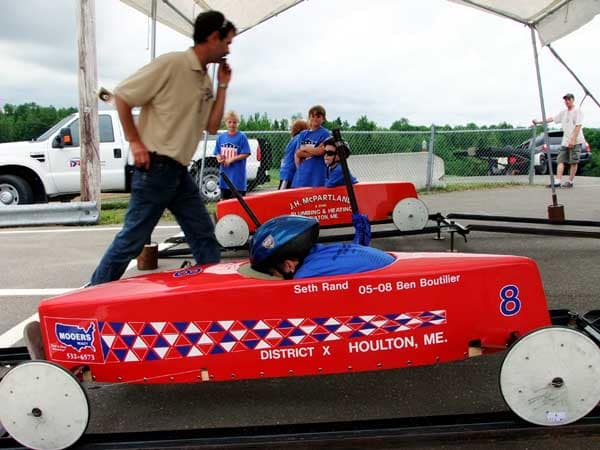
387, 433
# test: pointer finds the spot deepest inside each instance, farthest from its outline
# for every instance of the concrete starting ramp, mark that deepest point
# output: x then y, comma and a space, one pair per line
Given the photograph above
398, 167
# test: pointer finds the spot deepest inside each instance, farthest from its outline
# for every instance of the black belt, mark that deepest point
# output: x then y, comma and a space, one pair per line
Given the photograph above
156, 157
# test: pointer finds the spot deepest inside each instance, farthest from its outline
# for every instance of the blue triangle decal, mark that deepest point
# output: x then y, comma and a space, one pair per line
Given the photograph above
183, 349
285, 324
148, 330
161, 342
181, 326
249, 323
151, 356
228, 337
193, 337
117, 326
217, 349
286, 343
129, 340
121, 353
105, 349
215, 327
262, 333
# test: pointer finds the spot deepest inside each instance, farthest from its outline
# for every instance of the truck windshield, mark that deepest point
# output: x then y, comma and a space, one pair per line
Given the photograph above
55, 128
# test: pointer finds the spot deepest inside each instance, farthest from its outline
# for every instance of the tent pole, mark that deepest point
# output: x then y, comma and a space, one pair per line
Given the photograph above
153, 32
554, 210
585, 89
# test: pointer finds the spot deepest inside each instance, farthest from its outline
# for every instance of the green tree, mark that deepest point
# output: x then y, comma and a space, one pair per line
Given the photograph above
364, 124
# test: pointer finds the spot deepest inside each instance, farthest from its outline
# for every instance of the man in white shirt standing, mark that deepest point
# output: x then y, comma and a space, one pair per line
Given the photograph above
571, 120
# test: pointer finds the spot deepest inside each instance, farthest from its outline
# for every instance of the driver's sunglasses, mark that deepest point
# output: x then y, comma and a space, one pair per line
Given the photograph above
225, 23
330, 152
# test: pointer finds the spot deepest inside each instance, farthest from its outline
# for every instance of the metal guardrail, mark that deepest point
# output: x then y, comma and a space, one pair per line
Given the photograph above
74, 213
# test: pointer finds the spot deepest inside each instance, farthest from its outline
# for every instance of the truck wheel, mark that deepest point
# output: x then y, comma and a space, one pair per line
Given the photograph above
209, 187
542, 169
14, 190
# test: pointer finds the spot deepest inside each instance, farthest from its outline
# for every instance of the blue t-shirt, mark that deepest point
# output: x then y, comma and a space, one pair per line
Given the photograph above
312, 171
230, 146
288, 167
335, 177
340, 259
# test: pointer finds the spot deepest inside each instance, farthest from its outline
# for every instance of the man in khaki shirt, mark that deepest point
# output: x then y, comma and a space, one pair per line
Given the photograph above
178, 104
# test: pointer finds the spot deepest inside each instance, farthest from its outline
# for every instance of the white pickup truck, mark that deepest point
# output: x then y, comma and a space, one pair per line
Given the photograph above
48, 167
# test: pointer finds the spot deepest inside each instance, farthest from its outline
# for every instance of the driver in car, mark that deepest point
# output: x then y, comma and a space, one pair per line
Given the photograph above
285, 247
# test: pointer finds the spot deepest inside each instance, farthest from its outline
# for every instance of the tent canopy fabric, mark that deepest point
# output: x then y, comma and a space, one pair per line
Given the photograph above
180, 14
553, 19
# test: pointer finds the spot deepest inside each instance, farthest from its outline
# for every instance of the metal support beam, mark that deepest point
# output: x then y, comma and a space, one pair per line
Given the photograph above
76, 213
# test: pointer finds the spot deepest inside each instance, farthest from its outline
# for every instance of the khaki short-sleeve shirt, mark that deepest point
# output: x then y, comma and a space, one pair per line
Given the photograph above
176, 97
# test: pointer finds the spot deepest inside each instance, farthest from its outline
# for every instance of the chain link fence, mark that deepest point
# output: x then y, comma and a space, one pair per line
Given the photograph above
428, 158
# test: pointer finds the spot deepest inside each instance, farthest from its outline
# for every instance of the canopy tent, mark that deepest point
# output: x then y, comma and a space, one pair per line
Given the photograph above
552, 19
180, 14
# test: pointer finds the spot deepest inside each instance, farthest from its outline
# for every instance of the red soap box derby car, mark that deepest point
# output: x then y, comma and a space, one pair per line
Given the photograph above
395, 202
227, 322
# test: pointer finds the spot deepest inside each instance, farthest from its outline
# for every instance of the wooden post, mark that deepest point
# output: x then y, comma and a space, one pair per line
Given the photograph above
88, 102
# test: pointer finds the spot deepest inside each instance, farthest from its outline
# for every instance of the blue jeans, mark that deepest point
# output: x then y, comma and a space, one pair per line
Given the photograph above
167, 184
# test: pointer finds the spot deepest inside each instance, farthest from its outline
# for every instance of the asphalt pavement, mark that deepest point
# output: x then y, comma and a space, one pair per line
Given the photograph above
64, 257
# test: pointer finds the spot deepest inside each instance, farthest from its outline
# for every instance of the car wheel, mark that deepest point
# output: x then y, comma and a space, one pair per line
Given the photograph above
14, 190
542, 169
209, 185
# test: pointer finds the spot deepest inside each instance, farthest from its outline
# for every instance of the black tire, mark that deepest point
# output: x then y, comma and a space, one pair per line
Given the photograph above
14, 190
209, 187
542, 169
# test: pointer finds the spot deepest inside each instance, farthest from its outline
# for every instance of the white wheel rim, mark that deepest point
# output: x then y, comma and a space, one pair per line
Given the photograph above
232, 231
8, 195
551, 376
43, 406
410, 214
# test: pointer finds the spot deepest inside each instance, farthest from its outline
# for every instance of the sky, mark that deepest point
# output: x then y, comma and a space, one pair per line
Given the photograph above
429, 61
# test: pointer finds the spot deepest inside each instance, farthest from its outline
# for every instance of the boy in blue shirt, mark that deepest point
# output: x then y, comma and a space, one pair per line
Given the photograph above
232, 149
288, 166
285, 247
310, 166
335, 174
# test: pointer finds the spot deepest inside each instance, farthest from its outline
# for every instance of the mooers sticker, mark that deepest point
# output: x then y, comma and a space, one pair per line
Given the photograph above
71, 340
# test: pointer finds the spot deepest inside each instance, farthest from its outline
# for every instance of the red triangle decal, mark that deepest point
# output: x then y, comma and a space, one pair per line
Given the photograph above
112, 358
250, 336
140, 352
137, 326
205, 348
272, 322
239, 347
149, 339
217, 335
118, 344
170, 329
172, 353
203, 325
107, 330
237, 326
182, 340
309, 340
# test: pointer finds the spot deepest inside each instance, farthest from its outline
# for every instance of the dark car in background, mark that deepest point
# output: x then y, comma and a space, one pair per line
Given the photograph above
541, 151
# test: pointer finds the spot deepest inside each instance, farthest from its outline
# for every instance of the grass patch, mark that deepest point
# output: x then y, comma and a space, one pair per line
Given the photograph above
468, 187
113, 211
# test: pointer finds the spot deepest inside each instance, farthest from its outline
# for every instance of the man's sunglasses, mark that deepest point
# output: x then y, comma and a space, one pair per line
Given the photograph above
330, 152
